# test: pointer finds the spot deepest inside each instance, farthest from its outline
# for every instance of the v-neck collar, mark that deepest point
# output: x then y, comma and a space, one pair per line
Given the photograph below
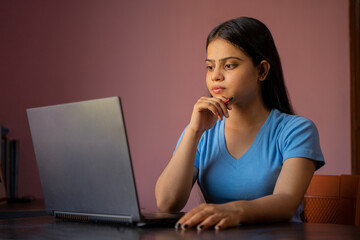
224, 151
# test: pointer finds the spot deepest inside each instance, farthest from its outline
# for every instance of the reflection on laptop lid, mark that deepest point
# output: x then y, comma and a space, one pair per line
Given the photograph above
84, 162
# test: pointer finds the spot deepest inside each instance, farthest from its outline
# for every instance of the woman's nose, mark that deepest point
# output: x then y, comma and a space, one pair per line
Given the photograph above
217, 75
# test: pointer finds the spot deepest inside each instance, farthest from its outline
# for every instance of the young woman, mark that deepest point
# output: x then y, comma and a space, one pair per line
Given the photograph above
253, 159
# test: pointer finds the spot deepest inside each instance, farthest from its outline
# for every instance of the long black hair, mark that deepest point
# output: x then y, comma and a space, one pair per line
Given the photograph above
255, 39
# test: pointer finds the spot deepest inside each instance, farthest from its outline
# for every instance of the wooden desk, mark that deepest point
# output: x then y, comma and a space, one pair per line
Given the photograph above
22, 209
47, 227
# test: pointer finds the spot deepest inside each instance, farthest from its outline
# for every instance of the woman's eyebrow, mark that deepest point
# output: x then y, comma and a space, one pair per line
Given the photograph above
223, 59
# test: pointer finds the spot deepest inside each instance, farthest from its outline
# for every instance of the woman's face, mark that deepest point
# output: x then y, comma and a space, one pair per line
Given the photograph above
230, 72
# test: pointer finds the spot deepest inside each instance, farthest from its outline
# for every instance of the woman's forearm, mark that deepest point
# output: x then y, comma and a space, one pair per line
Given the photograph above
175, 183
280, 206
272, 208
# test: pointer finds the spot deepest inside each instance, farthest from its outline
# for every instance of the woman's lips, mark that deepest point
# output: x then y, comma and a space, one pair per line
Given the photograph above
217, 89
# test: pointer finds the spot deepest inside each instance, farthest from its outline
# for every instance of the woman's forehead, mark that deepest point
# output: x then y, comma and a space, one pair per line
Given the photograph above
220, 49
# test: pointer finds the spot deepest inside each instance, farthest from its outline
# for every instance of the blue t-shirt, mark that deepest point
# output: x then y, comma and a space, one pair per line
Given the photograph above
223, 178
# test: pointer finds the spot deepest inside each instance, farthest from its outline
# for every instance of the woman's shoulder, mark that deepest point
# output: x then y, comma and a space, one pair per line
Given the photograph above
288, 120
287, 125
297, 136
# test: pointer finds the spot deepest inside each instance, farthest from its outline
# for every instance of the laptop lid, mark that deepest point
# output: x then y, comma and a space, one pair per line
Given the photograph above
84, 161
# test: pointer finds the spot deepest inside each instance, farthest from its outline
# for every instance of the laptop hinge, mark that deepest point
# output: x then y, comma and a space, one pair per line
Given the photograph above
93, 217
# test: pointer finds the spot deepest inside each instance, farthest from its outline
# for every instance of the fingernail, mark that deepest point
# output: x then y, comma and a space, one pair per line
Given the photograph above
200, 227
217, 227
178, 225
185, 226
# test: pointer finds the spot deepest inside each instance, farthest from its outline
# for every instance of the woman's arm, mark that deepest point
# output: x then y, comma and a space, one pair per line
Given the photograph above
289, 191
174, 185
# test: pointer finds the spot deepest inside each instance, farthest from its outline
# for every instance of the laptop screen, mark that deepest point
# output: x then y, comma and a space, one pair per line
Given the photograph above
83, 158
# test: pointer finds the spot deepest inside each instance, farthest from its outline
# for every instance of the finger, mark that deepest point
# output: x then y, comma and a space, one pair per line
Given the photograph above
223, 223
183, 219
188, 215
202, 106
228, 105
198, 215
214, 107
219, 103
196, 219
209, 222
216, 110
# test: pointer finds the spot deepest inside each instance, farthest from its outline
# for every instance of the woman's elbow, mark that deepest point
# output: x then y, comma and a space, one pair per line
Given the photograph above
289, 215
166, 205
163, 207
291, 211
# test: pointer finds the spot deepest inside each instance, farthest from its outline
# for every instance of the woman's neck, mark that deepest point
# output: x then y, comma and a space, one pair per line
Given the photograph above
249, 117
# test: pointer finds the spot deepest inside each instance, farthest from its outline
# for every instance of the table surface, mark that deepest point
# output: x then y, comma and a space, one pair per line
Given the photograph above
19, 209
47, 227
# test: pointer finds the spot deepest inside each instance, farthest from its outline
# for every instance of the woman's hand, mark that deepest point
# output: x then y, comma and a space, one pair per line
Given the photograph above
206, 112
207, 215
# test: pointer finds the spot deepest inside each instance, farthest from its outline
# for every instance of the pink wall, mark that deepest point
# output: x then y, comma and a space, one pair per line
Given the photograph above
151, 53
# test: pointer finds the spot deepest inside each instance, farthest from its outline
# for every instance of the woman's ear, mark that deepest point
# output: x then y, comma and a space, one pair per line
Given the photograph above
264, 68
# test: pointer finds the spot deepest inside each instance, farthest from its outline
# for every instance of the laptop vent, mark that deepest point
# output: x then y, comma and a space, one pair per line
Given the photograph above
93, 217
68, 216
113, 220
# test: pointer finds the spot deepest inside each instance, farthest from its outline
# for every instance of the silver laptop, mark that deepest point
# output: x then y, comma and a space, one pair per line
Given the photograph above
84, 163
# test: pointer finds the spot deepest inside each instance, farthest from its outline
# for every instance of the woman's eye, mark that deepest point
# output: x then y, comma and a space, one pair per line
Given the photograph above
209, 68
230, 66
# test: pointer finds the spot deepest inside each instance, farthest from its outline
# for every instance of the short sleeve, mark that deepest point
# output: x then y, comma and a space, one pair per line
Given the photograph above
196, 164
300, 138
